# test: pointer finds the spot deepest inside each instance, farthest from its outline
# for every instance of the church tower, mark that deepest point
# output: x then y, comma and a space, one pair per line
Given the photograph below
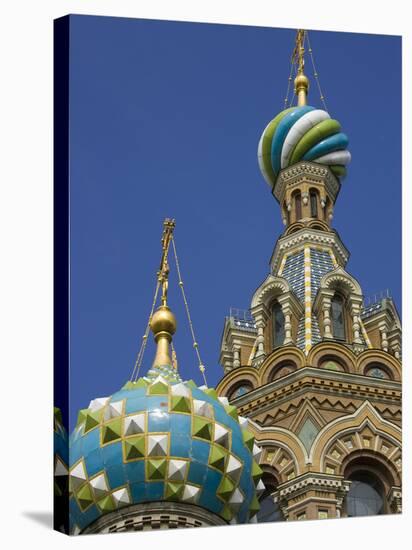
315, 368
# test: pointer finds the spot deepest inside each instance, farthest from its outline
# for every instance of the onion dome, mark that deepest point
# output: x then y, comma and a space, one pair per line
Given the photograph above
161, 439
60, 468
302, 133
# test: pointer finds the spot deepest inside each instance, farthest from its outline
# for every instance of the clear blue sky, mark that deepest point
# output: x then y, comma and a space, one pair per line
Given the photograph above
165, 118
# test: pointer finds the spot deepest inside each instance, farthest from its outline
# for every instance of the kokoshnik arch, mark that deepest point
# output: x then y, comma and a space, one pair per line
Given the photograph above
305, 422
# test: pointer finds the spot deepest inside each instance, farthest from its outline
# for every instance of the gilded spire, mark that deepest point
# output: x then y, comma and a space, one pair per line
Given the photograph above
301, 80
163, 322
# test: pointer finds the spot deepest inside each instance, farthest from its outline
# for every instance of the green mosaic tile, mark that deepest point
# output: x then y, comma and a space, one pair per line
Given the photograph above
225, 489
211, 393
156, 469
81, 417
226, 513
181, 404
217, 458
112, 431
92, 420
254, 506
106, 504
174, 491
248, 439
232, 411
84, 497
202, 428
158, 388
133, 448
256, 471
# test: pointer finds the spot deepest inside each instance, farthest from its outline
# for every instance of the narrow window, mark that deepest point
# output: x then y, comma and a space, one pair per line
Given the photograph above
278, 325
298, 206
313, 204
338, 317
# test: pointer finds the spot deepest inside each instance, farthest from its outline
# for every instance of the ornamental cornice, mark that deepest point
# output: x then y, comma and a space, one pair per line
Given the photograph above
310, 481
295, 241
309, 172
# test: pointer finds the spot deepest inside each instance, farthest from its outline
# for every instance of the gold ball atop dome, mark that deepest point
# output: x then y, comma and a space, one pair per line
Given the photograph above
301, 81
163, 320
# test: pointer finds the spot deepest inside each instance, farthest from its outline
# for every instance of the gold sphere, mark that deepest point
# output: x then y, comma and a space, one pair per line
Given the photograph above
163, 320
301, 81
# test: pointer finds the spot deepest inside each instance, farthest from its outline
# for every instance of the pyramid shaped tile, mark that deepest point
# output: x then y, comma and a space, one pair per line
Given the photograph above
81, 417
112, 431
98, 403
156, 469
78, 475
92, 420
84, 497
191, 493
134, 448
99, 485
180, 404
202, 408
60, 468
224, 401
174, 491
248, 439
236, 500
121, 497
180, 390
177, 469
234, 468
244, 422
159, 386
232, 411
257, 453
135, 424
227, 513
217, 457
157, 445
260, 488
113, 410
222, 435
202, 428
211, 393
256, 472
106, 504
254, 506
225, 489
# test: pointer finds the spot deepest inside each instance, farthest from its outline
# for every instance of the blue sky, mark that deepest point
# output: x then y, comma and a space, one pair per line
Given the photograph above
165, 118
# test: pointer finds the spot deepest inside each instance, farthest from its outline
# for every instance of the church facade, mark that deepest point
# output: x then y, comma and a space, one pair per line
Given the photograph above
315, 370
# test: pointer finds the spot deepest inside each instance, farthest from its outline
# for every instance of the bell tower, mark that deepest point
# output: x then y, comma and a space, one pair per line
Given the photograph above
311, 360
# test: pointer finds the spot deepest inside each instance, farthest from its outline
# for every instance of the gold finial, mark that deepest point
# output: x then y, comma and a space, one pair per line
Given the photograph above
301, 80
163, 322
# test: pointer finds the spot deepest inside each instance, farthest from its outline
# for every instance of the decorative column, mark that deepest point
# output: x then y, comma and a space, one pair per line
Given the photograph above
260, 315
384, 335
355, 313
287, 313
327, 323
395, 500
236, 356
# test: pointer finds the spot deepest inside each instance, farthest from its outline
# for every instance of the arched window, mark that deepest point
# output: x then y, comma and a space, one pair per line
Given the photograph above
376, 370
278, 321
366, 496
283, 369
338, 317
269, 509
241, 389
298, 206
313, 204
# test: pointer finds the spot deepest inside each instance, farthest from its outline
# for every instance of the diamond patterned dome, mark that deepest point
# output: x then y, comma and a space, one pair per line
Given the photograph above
161, 439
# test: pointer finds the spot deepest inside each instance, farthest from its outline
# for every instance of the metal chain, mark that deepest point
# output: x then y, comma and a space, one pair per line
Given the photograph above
139, 358
315, 72
195, 344
292, 63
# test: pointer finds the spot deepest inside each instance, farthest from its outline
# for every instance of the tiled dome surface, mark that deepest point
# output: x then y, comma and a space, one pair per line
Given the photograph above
162, 439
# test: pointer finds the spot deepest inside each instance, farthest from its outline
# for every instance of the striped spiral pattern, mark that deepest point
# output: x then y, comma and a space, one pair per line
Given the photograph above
302, 133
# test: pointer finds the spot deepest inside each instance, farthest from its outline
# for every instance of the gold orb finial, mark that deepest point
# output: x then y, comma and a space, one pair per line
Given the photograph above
163, 326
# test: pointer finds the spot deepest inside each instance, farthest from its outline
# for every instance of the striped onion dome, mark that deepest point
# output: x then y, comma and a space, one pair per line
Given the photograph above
298, 134
162, 439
